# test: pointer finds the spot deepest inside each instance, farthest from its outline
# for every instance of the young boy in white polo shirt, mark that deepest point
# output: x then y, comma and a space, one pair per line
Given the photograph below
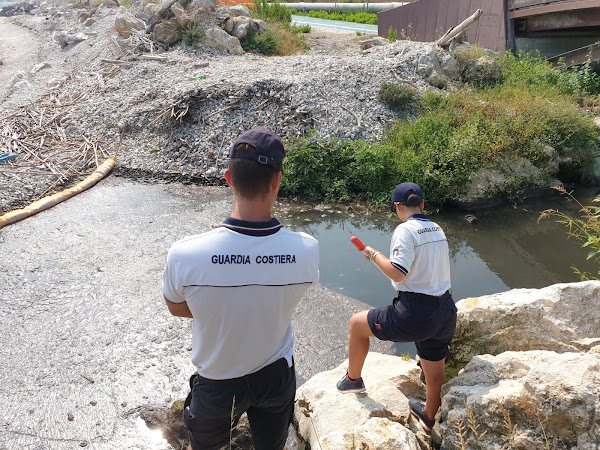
423, 312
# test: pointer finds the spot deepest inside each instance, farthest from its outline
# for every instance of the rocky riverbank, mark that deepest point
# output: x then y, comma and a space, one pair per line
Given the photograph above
531, 380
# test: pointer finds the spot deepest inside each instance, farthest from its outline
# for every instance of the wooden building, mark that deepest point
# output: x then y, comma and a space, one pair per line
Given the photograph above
550, 27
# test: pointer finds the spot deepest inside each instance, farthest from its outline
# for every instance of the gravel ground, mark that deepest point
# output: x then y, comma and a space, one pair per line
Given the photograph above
181, 115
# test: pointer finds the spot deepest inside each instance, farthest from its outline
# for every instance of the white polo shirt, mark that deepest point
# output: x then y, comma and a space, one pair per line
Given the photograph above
420, 250
242, 282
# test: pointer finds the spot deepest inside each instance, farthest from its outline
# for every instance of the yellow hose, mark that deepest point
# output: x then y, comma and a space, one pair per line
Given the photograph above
54, 199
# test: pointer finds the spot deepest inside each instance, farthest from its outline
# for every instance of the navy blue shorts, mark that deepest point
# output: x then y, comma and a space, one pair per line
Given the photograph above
427, 321
266, 396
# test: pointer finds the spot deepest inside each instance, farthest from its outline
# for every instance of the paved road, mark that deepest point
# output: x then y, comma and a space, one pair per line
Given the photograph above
87, 342
334, 24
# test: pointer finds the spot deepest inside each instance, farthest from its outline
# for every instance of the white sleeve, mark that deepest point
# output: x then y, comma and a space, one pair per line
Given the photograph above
402, 250
172, 288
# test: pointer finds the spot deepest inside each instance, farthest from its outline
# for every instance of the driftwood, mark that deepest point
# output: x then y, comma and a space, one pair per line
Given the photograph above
402, 80
152, 57
163, 13
455, 31
54, 199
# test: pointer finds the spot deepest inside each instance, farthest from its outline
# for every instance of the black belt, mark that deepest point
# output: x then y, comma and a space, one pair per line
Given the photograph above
419, 296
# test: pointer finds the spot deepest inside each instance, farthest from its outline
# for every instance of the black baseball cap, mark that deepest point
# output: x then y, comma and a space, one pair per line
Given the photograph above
269, 148
402, 192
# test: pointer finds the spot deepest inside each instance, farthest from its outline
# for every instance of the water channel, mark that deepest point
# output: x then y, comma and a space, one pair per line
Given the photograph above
505, 248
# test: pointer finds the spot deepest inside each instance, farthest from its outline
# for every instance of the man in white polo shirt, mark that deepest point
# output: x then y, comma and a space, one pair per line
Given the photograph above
240, 283
423, 312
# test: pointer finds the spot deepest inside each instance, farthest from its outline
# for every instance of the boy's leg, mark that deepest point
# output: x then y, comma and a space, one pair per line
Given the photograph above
358, 343
435, 377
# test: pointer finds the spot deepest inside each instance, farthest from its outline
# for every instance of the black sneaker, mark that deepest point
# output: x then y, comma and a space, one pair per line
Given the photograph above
418, 410
347, 386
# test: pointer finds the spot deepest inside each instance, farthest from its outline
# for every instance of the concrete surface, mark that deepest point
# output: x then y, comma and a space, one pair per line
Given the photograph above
87, 342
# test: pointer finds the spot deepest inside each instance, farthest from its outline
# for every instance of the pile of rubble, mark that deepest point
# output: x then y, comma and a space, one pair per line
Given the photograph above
220, 28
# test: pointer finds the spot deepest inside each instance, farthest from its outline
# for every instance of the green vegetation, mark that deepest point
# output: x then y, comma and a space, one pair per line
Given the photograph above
281, 38
191, 36
346, 15
455, 134
392, 34
586, 229
399, 97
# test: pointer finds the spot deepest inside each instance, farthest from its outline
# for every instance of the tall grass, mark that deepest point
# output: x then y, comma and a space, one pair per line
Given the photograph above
281, 38
453, 136
346, 15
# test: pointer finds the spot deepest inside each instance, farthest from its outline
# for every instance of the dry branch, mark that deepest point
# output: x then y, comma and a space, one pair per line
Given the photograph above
455, 31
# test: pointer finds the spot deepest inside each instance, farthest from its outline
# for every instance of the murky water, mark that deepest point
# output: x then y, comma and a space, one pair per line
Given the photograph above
506, 248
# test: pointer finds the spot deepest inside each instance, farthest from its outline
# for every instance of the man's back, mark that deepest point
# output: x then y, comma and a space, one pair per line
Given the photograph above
242, 282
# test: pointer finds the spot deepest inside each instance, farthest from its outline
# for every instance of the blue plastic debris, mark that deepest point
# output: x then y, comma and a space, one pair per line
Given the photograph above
7, 156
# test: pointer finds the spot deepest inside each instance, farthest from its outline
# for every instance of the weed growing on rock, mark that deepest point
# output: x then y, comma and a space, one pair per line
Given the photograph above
191, 36
585, 229
461, 431
392, 34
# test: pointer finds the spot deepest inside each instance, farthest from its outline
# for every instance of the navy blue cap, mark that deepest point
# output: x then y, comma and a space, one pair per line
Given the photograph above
269, 148
401, 193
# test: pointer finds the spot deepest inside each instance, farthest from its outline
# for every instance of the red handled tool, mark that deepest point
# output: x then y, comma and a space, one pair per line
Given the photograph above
358, 243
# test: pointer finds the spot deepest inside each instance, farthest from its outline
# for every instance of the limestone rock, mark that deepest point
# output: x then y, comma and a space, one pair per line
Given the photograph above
449, 66
261, 25
330, 420
222, 41
182, 18
241, 26
373, 42
201, 17
527, 319
375, 433
560, 392
238, 10
124, 23
207, 4
438, 67
228, 25
483, 70
151, 9
65, 38
168, 32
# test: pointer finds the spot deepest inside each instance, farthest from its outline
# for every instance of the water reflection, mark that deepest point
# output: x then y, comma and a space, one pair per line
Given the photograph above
506, 248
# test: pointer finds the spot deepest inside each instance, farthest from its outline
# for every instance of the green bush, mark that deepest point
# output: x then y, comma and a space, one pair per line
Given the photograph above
273, 11
392, 34
191, 36
454, 135
346, 15
264, 43
397, 96
281, 38
538, 75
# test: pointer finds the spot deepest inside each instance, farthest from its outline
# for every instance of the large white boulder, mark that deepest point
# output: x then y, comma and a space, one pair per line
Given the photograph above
330, 420
553, 318
220, 40
524, 400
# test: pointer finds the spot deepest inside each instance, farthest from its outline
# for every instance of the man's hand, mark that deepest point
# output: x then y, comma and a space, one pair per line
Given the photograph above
179, 309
